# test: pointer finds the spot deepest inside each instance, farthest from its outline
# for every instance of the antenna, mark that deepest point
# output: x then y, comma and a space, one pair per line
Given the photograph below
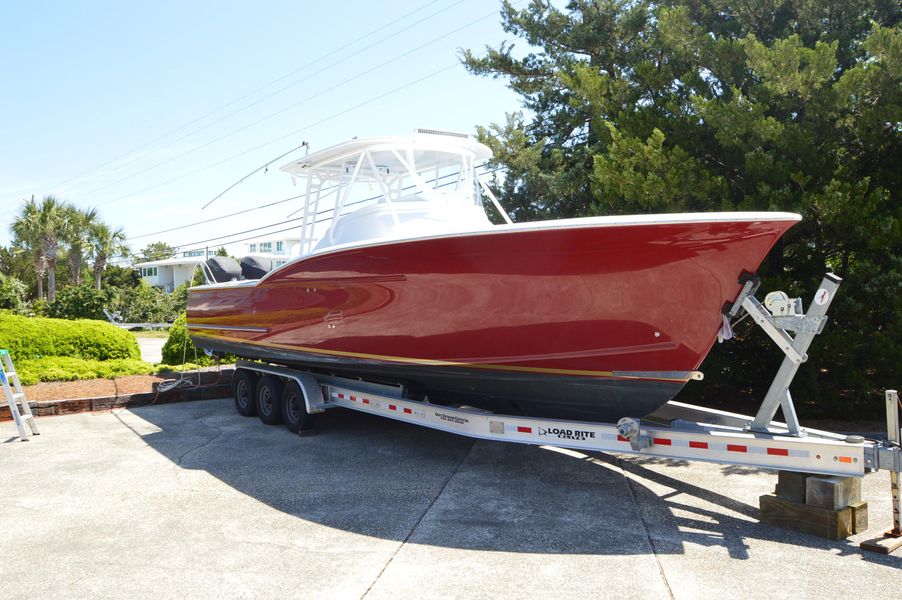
265, 167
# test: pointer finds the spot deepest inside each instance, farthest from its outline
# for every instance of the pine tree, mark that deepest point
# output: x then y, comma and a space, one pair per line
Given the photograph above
649, 107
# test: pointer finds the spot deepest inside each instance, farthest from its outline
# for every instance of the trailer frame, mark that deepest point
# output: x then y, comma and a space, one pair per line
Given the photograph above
676, 430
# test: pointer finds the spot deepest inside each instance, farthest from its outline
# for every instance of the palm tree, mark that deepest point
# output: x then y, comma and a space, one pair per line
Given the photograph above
50, 226
105, 243
76, 233
27, 232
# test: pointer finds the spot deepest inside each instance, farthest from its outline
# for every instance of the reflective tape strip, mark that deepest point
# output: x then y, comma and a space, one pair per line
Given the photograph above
737, 448
845, 459
700, 445
407, 411
522, 429
778, 451
392, 407
662, 441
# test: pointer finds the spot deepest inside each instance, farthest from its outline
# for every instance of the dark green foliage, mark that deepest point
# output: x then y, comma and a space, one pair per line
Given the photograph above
179, 348
121, 277
178, 301
79, 302
655, 107
139, 304
16, 262
147, 304
36, 337
12, 293
156, 251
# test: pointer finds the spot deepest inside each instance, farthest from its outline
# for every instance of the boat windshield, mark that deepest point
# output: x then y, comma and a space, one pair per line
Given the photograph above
389, 188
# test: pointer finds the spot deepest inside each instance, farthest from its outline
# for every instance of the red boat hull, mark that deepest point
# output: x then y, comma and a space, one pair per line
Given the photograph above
580, 322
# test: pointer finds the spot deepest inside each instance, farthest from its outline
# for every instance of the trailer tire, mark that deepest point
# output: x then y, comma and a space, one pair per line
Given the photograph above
268, 399
294, 409
243, 389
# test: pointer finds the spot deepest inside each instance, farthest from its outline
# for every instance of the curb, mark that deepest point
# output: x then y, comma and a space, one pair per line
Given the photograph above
205, 391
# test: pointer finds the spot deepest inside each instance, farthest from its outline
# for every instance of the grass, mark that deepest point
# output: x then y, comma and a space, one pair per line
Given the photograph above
151, 333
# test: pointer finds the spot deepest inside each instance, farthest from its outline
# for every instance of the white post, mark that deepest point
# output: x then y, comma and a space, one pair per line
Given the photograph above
895, 437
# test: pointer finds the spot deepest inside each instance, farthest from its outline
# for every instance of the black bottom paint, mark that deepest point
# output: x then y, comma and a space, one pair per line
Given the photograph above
505, 392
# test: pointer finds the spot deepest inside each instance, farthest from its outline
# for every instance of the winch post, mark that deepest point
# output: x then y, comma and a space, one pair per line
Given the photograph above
888, 458
778, 395
894, 436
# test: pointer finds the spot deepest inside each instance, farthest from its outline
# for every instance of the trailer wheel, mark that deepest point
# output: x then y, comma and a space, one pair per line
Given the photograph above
294, 411
243, 383
269, 399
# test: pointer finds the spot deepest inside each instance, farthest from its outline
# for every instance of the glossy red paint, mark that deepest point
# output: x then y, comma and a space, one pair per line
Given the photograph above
592, 299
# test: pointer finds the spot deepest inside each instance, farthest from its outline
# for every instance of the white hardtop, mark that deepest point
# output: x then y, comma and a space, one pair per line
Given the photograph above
432, 149
391, 188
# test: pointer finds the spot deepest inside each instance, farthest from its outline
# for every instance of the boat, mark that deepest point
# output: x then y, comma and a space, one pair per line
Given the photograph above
402, 278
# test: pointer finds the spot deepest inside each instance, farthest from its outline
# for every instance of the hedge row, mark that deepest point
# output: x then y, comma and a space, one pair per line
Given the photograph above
67, 368
37, 337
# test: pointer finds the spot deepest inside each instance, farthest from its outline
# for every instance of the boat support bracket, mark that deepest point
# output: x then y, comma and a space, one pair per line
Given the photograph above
778, 317
629, 429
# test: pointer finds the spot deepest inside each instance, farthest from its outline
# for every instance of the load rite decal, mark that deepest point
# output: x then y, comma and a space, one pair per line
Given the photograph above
568, 434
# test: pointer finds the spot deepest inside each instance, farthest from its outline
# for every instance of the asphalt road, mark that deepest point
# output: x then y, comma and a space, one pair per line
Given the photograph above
192, 500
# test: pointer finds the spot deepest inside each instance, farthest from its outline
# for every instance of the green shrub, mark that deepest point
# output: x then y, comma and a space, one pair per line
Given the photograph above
66, 368
121, 277
179, 345
36, 337
79, 302
37, 308
12, 293
147, 304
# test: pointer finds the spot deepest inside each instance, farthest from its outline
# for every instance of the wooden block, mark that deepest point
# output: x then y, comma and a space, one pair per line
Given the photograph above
791, 485
882, 545
859, 516
832, 493
831, 524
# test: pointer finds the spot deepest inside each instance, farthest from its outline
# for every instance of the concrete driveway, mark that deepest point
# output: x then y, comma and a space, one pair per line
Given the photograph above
192, 500
151, 348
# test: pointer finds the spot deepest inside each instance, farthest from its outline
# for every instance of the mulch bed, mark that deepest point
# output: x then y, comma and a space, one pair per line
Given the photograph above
92, 388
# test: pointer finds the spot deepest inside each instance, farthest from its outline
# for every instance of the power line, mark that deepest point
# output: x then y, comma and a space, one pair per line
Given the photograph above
239, 99
205, 221
189, 245
290, 134
199, 244
293, 105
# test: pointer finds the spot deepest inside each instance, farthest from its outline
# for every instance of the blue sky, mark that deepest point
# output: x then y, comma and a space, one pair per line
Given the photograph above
129, 106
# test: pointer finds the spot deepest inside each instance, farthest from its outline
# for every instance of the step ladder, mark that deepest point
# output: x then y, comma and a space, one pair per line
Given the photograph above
15, 396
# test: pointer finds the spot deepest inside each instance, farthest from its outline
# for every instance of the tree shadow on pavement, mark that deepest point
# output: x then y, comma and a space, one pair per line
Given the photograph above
373, 476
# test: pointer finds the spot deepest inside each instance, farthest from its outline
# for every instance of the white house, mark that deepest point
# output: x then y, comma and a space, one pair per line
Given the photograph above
169, 273
274, 252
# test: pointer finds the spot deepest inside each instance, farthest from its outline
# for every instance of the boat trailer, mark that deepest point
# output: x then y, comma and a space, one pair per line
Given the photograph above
675, 431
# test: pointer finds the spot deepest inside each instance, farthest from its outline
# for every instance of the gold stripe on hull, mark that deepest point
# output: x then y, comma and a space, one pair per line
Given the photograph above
447, 363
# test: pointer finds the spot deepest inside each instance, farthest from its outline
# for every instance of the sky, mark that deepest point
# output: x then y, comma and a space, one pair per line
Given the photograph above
147, 111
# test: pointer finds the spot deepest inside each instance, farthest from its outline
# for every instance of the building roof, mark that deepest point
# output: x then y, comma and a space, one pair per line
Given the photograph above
171, 262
